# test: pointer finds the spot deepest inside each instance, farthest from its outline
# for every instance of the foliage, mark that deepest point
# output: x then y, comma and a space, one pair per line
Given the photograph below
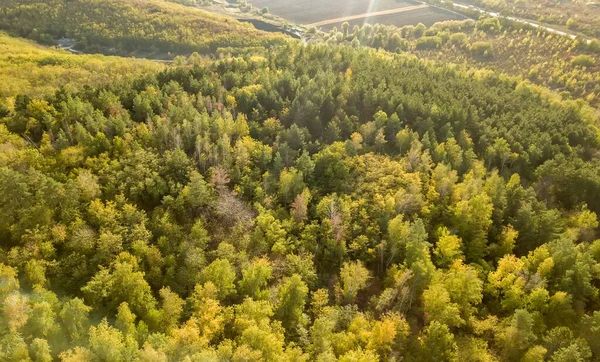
305, 202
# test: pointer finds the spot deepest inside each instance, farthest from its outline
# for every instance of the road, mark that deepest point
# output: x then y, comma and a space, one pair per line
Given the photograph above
519, 20
367, 15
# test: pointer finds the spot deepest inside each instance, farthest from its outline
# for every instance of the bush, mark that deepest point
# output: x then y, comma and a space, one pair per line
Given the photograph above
594, 46
429, 42
489, 25
583, 61
458, 39
419, 30
481, 49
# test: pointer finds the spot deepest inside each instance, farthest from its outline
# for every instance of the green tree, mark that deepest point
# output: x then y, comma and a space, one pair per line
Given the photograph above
122, 282
255, 278
39, 350
437, 343
222, 275
447, 248
354, 277
290, 184
74, 316
291, 297
106, 342
473, 220
438, 306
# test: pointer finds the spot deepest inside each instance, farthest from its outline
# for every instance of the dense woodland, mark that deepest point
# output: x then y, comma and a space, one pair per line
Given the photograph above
312, 204
320, 202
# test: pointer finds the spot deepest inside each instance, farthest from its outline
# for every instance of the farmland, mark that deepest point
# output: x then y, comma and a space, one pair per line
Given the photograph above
325, 14
427, 15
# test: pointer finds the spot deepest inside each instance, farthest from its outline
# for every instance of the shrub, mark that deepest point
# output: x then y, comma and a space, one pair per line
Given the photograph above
429, 42
594, 46
583, 61
489, 25
481, 49
419, 30
458, 39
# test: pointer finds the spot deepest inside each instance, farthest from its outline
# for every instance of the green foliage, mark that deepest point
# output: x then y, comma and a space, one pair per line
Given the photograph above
583, 61
438, 343
255, 278
354, 277
222, 275
489, 25
306, 202
459, 39
291, 298
481, 49
428, 42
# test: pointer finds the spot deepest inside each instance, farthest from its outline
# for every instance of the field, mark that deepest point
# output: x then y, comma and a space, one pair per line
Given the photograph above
325, 15
428, 16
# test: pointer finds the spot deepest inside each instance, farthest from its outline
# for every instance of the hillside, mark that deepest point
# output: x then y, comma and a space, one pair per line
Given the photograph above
145, 28
30, 69
314, 203
376, 194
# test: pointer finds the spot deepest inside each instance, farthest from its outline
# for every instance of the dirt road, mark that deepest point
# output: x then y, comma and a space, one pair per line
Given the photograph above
367, 15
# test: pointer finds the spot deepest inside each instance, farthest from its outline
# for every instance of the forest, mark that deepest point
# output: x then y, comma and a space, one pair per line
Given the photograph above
354, 199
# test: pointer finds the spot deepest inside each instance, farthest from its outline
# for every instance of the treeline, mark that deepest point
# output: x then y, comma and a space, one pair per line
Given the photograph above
310, 203
140, 27
568, 66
